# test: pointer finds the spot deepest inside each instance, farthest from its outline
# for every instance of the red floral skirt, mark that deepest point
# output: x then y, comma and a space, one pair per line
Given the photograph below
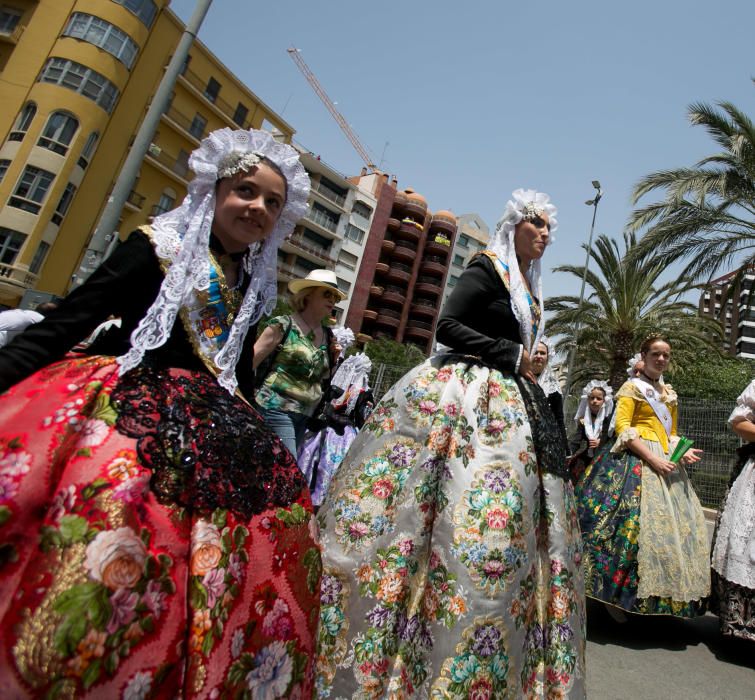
156, 540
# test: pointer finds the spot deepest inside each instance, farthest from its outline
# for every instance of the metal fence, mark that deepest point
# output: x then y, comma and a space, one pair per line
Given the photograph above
704, 421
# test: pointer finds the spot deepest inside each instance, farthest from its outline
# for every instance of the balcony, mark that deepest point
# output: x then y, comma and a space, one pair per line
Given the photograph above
369, 315
434, 266
405, 251
423, 308
376, 290
300, 243
364, 338
419, 329
393, 224
329, 194
135, 201
394, 295
166, 163
416, 208
428, 285
12, 37
398, 272
321, 219
432, 247
18, 279
388, 317
181, 121
409, 231
290, 272
388, 245
443, 224
381, 268
199, 85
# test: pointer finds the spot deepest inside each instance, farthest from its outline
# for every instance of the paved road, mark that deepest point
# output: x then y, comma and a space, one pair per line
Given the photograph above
664, 658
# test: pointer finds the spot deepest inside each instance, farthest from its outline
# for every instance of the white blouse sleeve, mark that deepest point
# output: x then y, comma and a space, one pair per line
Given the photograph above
745, 407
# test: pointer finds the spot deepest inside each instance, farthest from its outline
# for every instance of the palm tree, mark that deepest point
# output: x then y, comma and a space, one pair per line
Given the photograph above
708, 213
626, 301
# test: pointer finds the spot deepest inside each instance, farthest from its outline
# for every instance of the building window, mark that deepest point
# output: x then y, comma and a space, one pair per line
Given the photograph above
452, 280
240, 115
9, 19
198, 125
88, 151
459, 260
464, 241
166, 203
361, 209
23, 121
104, 35
31, 189
85, 81
58, 132
348, 260
65, 201
343, 285
182, 163
10, 243
212, 90
39, 258
354, 233
323, 216
4, 165
145, 10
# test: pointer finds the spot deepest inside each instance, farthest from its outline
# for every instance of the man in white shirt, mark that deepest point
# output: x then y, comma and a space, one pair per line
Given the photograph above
14, 321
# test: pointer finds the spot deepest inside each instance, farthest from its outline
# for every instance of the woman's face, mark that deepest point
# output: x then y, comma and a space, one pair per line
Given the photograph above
530, 238
539, 359
595, 401
656, 359
322, 301
247, 207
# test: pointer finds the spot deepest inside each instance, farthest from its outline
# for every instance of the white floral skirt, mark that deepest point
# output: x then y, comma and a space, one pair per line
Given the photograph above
451, 565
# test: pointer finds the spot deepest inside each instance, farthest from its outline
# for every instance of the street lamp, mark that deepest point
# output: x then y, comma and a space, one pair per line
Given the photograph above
594, 204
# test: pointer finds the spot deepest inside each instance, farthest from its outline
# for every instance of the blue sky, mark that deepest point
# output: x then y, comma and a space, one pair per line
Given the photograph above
476, 99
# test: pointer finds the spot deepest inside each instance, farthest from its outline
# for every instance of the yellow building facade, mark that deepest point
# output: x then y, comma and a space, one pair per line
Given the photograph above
76, 79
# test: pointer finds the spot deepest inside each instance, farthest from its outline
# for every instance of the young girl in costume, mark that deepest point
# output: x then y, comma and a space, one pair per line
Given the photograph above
733, 558
592, 422
452, 549
157, 537
646, 543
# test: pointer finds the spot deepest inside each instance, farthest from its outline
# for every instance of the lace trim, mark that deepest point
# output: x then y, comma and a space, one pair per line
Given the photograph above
622, 441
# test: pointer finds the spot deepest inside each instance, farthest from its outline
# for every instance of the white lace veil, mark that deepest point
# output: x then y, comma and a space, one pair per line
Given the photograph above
547, 380
353, 377
182, 238
344, 337
502, 244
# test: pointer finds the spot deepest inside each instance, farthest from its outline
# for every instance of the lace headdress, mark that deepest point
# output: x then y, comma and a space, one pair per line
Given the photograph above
353, 377
583, 410
632, 366
524, 204
547, 380
182, 238
344, 337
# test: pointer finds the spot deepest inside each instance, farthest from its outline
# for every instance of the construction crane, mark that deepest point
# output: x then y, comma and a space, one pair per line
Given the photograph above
315, 83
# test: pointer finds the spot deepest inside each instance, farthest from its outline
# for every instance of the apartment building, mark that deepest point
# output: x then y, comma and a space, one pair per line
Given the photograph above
734, 308
473, 236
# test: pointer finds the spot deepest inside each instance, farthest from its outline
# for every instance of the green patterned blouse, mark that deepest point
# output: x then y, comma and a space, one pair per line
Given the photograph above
294, 382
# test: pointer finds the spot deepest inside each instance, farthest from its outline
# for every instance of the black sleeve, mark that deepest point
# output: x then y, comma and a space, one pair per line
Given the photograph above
124, 281
556, 402
576, 440
476, 288
365, 404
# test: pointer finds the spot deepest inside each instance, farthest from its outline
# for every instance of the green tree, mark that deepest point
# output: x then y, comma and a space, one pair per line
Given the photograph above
712, 377
391, 352
625, 301
707, 215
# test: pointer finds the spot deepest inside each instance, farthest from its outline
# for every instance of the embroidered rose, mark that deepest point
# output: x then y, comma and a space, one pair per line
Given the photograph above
382, 488
271, 674
138, 687
237, 644
205, 547
116, 558
15, 463
214, 583
124, 603
497, 518
93, 432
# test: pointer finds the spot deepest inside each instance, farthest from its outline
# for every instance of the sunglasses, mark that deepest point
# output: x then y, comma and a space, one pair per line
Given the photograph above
330, 295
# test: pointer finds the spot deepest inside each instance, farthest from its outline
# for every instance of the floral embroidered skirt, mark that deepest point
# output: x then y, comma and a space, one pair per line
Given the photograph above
733, 558
156, 540
645, 536
321, 455
451, 565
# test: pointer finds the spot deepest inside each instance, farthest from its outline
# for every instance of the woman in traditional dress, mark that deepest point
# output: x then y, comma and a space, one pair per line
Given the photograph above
548, 380
345, 414
734, 544
157, 537
646, 543
452, 565
300, 350
592, 423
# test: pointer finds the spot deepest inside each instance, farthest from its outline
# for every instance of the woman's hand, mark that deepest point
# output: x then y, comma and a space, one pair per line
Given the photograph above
661, 466
525, 367
593, 442
691, 456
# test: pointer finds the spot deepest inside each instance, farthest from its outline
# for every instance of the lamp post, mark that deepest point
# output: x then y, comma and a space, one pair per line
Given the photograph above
594, 204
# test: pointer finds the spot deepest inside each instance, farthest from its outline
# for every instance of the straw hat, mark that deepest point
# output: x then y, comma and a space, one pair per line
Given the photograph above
316, 278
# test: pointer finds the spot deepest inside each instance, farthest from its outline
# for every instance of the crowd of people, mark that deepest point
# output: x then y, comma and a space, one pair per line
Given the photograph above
192, 507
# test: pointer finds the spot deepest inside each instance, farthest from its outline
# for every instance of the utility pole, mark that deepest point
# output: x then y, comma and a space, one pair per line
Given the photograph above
594, 204
105, 233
